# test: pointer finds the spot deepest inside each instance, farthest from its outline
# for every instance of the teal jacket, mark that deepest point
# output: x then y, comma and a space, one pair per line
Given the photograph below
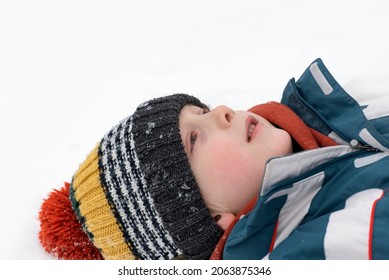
326, 203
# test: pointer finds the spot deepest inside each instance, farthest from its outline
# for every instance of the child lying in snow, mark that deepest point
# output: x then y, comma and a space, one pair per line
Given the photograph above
302, 179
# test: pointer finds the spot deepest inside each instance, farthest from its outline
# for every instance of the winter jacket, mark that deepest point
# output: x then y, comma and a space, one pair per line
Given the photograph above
324, 203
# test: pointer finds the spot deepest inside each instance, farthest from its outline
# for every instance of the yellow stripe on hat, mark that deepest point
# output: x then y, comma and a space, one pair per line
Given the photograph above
94, 207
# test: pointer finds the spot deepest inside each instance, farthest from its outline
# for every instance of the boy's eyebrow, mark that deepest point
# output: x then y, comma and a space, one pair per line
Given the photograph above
185, 143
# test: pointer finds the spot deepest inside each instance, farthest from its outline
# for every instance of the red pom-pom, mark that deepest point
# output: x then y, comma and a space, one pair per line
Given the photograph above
61, 234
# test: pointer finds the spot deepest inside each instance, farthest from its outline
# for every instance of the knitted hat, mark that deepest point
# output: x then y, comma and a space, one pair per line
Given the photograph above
135, 194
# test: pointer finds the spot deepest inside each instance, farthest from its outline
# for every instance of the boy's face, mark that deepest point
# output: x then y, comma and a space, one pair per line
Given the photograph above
227, 151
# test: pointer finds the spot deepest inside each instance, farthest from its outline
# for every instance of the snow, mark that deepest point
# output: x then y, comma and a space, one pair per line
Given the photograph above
70, 70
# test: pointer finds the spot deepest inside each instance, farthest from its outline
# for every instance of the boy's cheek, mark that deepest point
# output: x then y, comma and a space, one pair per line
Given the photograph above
229, 160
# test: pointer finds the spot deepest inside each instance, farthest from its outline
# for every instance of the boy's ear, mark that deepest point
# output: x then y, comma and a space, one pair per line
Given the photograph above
223, 220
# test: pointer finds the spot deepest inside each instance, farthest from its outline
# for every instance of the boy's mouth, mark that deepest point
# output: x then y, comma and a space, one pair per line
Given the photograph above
251, 123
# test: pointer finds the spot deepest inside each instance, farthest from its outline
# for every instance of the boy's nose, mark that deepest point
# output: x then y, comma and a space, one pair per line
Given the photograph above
223, 116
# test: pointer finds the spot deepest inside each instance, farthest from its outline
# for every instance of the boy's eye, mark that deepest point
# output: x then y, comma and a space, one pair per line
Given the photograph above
193, 134
193, 138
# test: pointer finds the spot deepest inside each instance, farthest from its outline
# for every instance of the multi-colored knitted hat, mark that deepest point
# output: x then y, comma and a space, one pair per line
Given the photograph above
134, 196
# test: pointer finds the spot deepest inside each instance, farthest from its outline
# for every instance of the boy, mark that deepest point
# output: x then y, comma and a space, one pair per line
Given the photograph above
171, 179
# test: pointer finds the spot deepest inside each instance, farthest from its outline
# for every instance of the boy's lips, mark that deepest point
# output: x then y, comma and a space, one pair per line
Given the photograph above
251, 125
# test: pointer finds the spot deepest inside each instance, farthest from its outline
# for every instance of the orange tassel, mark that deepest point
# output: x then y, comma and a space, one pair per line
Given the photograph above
61, 234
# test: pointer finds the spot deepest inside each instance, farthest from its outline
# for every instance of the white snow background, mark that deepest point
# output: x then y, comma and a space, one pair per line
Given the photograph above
70, 70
